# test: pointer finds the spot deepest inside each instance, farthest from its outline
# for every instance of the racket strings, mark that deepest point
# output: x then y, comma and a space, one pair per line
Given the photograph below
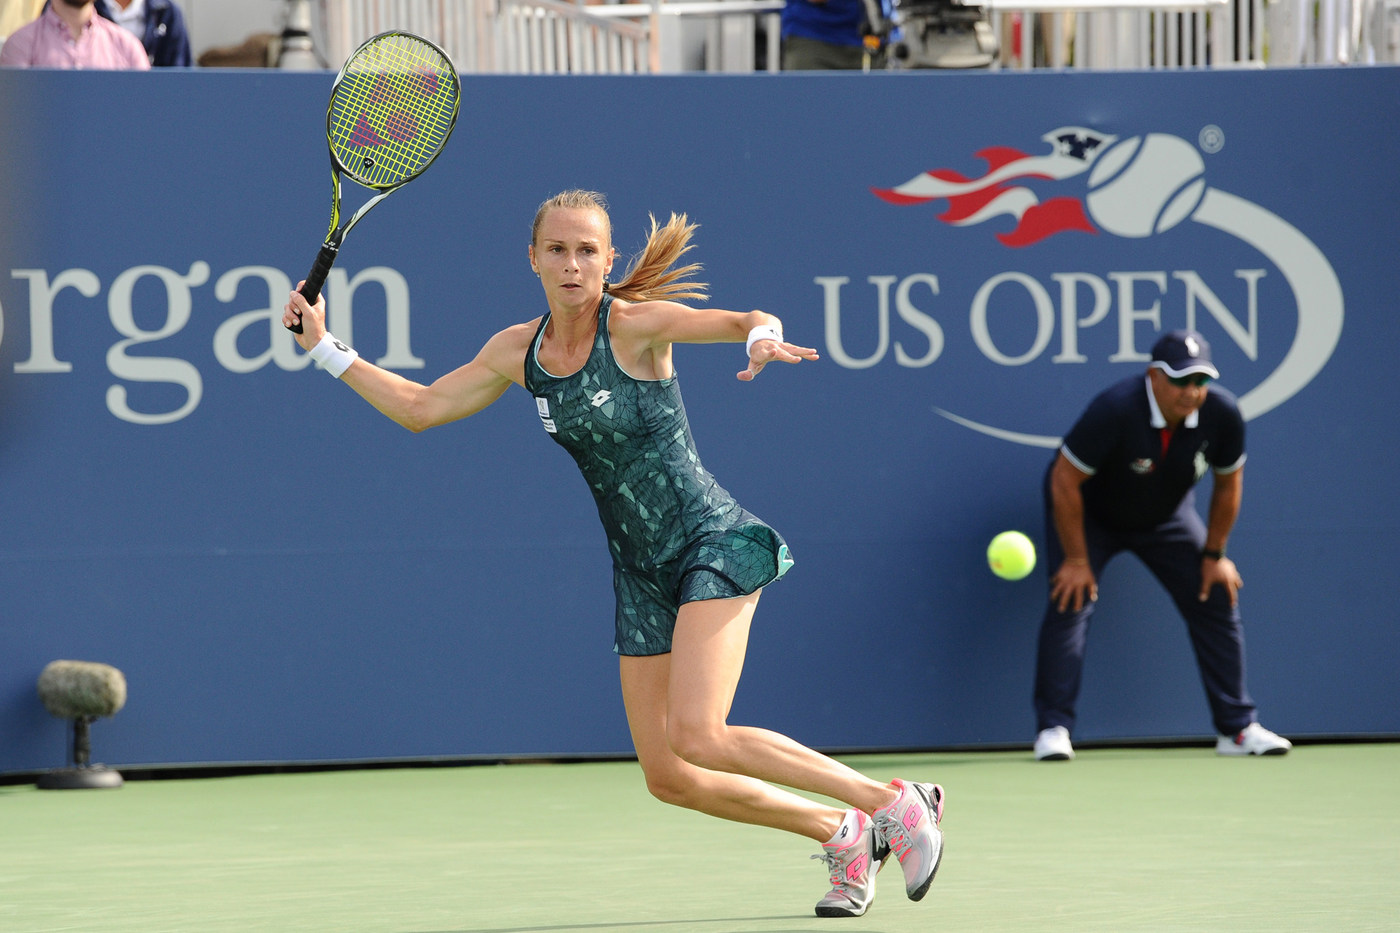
392, 110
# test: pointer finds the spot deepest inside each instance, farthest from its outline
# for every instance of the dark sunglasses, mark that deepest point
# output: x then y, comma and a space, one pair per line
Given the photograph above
1194, 379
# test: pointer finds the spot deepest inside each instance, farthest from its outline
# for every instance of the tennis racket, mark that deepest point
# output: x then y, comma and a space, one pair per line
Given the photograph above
393, 106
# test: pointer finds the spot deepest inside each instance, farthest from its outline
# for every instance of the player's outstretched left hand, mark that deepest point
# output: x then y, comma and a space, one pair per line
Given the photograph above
768, 351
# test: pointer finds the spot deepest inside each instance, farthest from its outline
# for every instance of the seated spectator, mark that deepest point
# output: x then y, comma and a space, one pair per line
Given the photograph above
159, 26
68, 34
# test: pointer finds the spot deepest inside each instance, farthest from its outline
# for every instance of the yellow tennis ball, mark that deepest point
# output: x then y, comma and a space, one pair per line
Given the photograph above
1011, 555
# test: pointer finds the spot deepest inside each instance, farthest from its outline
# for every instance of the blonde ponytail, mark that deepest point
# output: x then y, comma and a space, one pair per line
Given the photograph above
650, 277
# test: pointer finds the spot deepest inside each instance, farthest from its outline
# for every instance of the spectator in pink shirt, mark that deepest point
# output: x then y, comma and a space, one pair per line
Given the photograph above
68, 34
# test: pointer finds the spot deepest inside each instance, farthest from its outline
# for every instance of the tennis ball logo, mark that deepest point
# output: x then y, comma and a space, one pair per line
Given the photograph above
1145, 185
1011, 555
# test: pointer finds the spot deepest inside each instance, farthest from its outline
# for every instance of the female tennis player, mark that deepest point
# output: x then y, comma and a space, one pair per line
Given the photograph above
689, 563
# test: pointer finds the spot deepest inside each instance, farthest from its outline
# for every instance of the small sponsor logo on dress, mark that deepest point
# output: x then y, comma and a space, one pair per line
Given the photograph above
542, 406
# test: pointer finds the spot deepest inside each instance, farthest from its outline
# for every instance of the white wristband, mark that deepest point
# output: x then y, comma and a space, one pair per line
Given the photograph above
332, 355
763, 332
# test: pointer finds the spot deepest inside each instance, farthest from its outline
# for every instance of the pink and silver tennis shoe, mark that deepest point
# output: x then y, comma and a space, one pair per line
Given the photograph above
853, 857
910, 827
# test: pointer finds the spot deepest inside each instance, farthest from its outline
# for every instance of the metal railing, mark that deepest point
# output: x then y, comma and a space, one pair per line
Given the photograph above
1195, 33
465, 29
538, 36
552, 37
662, 17
1334, 32
1100, 34
556, 36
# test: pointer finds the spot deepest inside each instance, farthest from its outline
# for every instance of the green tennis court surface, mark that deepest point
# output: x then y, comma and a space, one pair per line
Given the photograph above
1117, 840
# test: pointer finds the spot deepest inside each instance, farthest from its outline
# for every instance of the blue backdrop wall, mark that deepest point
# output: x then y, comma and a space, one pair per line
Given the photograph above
285, 575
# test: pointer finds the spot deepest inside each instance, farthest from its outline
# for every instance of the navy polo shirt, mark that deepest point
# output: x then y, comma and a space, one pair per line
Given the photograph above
1134, 484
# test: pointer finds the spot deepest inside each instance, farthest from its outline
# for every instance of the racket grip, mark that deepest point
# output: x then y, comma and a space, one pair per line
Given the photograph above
311, 288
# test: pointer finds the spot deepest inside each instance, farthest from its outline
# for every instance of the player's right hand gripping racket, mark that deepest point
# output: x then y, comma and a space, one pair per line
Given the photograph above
393, 105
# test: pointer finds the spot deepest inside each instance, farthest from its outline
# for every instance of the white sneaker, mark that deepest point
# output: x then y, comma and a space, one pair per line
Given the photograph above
1254, 739
1053, 745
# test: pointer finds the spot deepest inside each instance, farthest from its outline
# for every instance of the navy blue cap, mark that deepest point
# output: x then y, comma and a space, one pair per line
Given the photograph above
1183, 352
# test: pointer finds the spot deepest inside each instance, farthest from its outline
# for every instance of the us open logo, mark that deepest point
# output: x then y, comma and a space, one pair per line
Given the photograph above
1138, 187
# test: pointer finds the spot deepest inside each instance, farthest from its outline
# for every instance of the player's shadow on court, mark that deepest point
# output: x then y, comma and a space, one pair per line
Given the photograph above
698, 925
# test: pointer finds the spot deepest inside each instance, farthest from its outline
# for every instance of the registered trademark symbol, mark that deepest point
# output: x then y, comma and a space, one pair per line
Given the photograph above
1212, 138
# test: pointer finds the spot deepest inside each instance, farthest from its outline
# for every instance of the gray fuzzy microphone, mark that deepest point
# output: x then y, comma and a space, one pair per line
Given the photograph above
81, 692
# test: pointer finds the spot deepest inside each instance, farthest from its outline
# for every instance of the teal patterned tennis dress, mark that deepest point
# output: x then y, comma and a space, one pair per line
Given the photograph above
674, 534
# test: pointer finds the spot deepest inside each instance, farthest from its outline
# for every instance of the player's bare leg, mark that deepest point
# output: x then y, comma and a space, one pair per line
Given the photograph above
678, 706
852, 862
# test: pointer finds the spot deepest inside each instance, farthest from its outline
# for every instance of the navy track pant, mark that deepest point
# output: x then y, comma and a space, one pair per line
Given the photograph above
1172, 552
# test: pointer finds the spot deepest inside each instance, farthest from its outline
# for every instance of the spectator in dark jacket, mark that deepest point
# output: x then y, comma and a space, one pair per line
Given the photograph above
159, 25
